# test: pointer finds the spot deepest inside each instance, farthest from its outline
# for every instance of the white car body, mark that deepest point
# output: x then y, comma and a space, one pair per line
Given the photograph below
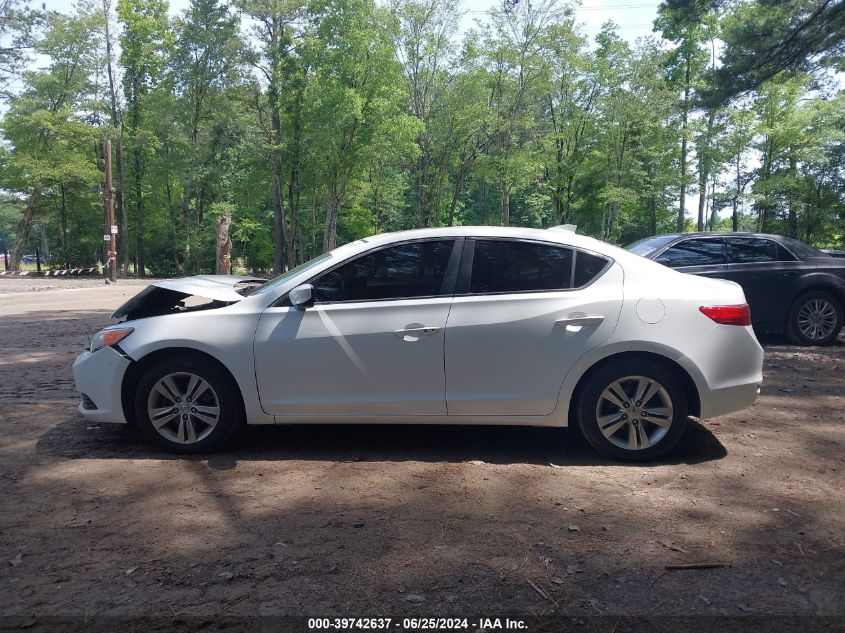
485, 359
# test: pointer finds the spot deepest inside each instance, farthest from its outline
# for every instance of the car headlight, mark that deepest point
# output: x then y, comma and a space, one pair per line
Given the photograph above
107, 338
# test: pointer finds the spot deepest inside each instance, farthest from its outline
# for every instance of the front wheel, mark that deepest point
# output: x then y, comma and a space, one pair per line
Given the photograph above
633, 410
187, 405
815, 319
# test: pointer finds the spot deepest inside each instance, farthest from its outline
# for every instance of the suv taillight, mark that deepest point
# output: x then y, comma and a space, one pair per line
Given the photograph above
728, 315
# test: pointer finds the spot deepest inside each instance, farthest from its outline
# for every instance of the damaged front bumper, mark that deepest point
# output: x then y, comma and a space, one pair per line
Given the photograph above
98, 377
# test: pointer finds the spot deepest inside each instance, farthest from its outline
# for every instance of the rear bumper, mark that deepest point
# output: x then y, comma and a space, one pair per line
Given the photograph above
729, 399
98, 377
731, 364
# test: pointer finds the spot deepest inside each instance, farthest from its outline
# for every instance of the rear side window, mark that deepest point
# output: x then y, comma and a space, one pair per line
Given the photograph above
747, 250
500, 266
695, 252
587, 268
409, 270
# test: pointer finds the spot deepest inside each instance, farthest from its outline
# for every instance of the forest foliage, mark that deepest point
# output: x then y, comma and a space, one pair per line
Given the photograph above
310, 123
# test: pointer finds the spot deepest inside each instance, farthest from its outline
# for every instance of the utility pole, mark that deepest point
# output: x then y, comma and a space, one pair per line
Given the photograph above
111, 228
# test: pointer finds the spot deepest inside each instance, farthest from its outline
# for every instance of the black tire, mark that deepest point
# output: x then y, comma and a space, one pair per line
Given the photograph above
223, 389
623, 371
806, 301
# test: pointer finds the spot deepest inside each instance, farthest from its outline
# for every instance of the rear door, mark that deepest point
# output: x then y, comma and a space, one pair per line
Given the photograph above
523, 313
768, 273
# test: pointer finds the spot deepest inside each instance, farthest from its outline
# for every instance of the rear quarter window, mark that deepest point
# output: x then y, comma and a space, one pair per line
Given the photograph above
587, 267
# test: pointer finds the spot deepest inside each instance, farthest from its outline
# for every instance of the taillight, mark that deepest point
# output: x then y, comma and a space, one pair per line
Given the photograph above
728, 315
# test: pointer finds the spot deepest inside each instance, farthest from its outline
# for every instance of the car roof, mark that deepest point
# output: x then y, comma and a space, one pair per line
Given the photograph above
724, 234
560, 236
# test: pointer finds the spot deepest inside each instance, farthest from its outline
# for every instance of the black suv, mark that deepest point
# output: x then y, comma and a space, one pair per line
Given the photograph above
792, 288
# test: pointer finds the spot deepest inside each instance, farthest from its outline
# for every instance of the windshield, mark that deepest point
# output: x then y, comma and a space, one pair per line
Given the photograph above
278, 281
649, 244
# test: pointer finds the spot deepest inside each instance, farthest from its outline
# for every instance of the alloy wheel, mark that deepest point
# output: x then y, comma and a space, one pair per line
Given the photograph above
817, 319
183, 407
634, 412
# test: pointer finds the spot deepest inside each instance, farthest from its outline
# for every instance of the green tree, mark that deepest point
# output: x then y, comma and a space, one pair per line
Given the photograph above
145, 41
49, 145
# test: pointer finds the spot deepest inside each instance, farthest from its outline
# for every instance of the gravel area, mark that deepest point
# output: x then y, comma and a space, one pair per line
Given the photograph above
374, 520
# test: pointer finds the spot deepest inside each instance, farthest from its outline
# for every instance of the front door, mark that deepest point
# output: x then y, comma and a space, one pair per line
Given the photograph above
371, 345
526, 312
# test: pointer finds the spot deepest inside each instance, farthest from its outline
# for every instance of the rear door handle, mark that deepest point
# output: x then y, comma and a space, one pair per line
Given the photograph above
579, 318
416, 331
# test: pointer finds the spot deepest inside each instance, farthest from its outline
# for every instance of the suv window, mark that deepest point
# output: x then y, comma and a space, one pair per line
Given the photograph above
694, 252
416, 269
511, 266
745, 250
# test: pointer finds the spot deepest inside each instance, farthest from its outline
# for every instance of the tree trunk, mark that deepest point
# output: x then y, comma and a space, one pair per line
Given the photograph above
792, 220
704, 170
279, 233
737, 193
139, 215
123, 221
224, 245
652, 216
423, 219
313, 222
45, 245
332, 211
683, 200
22, 234
456, 191
294, 237
505, 204
63, 217
117, 124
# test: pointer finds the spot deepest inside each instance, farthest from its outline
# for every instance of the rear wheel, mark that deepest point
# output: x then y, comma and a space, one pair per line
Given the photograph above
187, 405
634, 410
815, 319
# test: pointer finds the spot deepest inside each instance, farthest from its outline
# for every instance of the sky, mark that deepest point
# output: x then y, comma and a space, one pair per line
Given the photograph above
634, 17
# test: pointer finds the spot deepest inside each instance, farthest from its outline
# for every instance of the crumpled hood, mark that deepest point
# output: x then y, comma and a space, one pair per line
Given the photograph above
162, 296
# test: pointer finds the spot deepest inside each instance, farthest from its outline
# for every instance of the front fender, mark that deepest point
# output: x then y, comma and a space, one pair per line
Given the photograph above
225, 334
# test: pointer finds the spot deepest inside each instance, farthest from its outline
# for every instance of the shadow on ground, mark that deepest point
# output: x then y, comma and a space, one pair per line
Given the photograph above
74, 438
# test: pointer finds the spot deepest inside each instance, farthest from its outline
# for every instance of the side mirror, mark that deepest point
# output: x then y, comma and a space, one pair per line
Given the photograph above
302, 296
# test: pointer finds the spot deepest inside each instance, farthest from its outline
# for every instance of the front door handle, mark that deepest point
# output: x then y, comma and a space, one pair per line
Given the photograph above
415, 331
579, 318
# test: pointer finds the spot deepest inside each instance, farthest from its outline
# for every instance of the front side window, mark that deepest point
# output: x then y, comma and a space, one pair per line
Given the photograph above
694, 252
416, 269
501, 266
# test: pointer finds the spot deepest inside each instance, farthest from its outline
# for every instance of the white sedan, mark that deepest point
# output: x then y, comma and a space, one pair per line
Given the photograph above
465, 325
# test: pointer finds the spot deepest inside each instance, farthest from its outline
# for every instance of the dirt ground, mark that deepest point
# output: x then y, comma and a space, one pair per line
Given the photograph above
371, 521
